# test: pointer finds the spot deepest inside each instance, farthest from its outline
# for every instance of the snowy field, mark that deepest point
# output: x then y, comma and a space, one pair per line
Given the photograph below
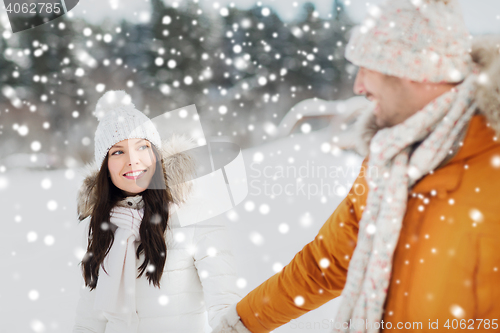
40, 246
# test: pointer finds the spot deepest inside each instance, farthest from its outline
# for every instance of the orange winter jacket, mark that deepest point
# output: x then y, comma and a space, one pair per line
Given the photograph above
446, 266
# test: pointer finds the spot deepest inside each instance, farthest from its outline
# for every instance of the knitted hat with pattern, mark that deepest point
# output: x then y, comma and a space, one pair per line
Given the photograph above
420, 40
119, 120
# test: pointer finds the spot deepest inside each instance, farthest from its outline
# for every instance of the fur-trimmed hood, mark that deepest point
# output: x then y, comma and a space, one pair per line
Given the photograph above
486, 54
177, 161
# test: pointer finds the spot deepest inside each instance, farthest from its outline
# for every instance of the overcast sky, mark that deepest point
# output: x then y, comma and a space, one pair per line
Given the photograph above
481, 16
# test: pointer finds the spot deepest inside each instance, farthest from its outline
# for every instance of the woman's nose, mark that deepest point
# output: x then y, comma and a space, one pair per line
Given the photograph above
134, 159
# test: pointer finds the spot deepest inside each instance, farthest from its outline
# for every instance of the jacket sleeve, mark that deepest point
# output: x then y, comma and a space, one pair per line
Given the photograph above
315, 275
87, 319
215, 265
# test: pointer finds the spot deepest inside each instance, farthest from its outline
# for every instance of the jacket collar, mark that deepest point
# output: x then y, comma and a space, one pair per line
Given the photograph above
480, 137
177, 161
134, 202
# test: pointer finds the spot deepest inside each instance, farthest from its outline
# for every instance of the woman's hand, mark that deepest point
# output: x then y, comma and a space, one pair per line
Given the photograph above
127, 218
231, 322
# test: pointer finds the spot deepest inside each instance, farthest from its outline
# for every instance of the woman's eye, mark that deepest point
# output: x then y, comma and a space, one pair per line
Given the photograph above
120, 151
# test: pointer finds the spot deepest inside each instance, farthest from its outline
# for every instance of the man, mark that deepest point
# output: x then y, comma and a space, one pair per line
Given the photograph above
416, 245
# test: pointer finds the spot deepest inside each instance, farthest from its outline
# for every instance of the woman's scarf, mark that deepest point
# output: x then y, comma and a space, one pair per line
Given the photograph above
115, 290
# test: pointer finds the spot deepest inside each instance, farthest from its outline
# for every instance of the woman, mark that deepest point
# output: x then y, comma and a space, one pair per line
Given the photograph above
142, 271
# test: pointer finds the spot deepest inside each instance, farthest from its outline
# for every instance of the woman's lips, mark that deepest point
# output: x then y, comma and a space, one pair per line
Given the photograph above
136, 177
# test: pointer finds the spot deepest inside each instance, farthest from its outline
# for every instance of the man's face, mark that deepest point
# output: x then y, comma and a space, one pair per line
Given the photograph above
392, 96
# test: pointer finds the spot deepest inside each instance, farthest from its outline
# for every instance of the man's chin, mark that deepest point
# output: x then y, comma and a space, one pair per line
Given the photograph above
380, 122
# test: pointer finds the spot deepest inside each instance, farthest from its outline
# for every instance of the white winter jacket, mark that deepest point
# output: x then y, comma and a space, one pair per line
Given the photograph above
198, 276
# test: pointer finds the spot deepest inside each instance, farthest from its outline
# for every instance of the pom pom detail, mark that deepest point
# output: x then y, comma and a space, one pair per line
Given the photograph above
112, 100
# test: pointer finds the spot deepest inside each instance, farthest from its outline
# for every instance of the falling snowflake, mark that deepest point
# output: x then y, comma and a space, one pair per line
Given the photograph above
299, 300
46, 183
32, 236
241, 283
264, 209
283, 228
163, 300
49, 240
33, 295
277, 267
457, 311
324, 263
52, 205
256, 238
306, 220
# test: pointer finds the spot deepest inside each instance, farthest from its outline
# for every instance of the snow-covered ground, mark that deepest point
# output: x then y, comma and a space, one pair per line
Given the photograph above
41, 240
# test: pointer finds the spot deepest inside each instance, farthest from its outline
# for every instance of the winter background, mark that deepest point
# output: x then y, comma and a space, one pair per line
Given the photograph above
245, 65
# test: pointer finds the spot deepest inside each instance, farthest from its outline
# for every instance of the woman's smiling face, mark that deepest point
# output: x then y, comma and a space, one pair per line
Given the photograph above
131, 165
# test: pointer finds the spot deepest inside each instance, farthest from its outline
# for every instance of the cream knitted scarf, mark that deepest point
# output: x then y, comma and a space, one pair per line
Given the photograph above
438, 125
115, 290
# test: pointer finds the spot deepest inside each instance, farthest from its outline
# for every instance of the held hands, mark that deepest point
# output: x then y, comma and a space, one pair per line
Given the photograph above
231, 322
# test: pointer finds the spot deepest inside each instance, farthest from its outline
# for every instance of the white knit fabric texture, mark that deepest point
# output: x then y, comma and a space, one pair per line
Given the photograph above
421, 40
120, 120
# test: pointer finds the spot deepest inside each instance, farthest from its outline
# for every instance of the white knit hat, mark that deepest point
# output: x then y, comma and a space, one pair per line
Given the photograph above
120, 120
421, 40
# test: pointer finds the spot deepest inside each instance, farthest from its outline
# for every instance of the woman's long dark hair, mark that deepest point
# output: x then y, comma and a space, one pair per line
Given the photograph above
152, 231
